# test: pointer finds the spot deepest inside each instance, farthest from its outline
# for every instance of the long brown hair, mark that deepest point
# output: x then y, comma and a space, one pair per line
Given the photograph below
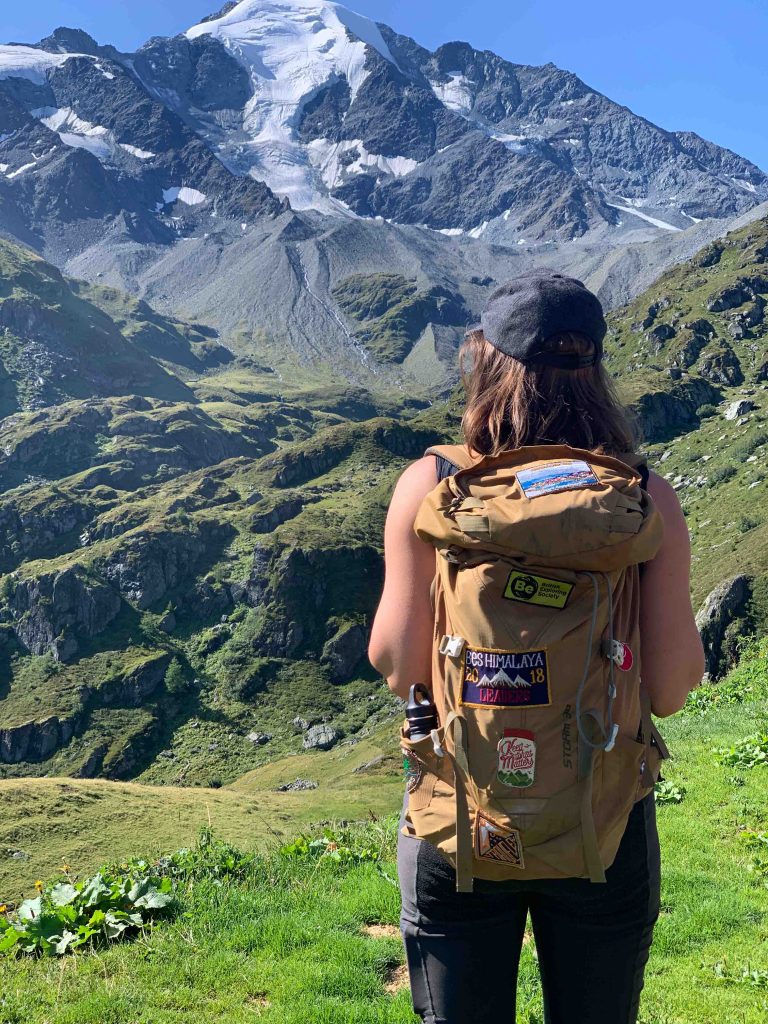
511, 404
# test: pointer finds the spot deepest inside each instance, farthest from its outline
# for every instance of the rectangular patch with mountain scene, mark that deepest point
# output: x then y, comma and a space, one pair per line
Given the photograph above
505, 679
568, 475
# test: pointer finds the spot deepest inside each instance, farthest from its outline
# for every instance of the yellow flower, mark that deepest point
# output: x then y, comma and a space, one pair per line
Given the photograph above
65, 868
39, 885
3, 908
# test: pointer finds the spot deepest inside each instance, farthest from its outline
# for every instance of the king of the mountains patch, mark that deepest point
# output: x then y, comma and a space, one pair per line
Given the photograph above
505, 679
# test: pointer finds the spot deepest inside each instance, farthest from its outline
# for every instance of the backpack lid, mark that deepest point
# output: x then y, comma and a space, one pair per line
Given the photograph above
550, 504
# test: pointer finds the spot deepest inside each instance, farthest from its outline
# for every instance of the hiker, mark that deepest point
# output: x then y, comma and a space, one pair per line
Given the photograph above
542, 540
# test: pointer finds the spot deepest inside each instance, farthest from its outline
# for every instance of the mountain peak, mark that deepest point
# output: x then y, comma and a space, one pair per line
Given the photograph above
251, 20
290, 49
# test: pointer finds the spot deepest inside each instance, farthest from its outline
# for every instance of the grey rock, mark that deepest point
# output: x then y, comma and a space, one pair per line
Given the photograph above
296, 786
50, 611
664, 414
301, 724
725, 606
167, 623
343, 652
322, 737
259, 738
740, 407
269, 520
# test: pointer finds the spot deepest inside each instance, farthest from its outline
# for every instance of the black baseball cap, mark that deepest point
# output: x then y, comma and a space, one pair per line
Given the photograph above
522, 314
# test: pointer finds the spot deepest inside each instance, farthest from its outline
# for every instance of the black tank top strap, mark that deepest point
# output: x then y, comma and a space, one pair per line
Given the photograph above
445, 467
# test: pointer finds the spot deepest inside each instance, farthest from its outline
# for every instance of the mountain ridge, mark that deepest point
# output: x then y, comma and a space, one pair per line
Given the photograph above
151, 172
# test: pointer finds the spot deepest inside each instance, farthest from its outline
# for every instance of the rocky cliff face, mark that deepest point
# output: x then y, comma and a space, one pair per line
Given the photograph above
51, 612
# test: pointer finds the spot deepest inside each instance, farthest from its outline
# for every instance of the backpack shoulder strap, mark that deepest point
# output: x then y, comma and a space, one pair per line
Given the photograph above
639, 462
456, 454
450, 459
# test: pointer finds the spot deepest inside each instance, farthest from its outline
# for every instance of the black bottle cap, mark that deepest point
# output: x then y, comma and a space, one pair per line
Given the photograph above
420, 712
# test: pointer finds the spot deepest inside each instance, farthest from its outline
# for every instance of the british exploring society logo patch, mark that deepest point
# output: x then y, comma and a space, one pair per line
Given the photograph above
505, 679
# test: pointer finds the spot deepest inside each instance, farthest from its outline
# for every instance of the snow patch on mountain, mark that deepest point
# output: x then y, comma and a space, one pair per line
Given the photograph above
290, 48
75, 132
21, 170
27, 62
189, 196
514, 143
140, 154
336, 161
644, 216
456, 94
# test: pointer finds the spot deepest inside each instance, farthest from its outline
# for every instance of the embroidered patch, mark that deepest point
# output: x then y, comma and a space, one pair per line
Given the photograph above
542, 590
517, 758
568, 475
505, 679
494, 842
413, 769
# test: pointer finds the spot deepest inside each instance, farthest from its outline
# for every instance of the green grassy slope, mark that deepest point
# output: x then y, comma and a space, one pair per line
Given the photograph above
82, 822
685, 351
293, 940
62, 339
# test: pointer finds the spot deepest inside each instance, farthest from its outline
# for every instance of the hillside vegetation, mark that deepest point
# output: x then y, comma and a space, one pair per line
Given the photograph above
186, 583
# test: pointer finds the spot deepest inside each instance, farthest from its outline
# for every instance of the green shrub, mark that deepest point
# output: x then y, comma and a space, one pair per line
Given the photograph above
747, 446
721, 474
68, 915
747, 681
750, 752
758, 609
667, 792
705, 411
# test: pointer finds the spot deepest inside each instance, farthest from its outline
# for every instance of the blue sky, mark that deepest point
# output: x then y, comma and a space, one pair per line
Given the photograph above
684, 64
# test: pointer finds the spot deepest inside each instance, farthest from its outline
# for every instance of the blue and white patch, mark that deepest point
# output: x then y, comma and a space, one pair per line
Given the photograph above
569, 475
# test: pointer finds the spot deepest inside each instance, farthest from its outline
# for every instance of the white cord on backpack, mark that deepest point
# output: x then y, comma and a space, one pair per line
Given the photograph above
612, 729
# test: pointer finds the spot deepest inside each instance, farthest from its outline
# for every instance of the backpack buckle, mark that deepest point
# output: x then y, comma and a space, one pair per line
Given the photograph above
452, 646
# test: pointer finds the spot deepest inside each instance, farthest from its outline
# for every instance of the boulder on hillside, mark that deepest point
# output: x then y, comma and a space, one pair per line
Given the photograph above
738, 408
342, 653
719, 621
258, 739
322, 737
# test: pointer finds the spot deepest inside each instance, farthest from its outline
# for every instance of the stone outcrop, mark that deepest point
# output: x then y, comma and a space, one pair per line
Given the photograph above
50, 612
343, 652
302, 588
38, 740
322, 737
720, 619
151, 562
664, 413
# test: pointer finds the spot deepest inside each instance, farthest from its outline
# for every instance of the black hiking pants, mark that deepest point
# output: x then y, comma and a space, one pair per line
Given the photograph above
592, 940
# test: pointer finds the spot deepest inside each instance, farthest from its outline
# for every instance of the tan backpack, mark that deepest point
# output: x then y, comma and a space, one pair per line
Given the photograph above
547, 739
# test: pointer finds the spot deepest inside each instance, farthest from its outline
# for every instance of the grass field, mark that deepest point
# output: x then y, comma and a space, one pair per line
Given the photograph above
300, 940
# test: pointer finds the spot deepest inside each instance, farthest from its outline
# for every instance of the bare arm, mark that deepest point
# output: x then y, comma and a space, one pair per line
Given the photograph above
672, 655
401, 637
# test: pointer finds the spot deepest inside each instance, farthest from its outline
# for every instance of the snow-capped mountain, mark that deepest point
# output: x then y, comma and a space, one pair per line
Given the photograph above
343, 111
247, 168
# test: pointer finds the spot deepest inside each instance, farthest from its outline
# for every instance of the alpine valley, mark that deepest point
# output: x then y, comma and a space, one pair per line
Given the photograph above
235, 269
